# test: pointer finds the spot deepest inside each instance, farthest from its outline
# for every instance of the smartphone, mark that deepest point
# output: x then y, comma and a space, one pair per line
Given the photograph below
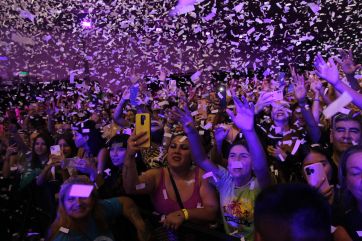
277, 95
143, 124
133, 92
55, 150
315, 175
222, 95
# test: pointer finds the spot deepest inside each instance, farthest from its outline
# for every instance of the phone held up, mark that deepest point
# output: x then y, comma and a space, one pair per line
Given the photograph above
316, 176
143, 124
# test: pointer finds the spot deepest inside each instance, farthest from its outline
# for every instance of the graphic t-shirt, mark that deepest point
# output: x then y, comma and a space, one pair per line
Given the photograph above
111, 208
237, 204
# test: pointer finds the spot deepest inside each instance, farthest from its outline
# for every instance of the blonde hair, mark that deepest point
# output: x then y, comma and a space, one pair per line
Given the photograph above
63, 220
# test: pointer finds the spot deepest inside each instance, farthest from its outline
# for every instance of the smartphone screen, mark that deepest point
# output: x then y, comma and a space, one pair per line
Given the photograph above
55, 150
133, 95
143, 124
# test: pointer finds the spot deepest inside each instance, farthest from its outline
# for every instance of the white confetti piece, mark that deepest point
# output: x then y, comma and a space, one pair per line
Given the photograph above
281, 158
81, 190
164, 192
63, 230
208, 175
194, 113
296, 146
238, 8
252, 185
183, 138
207, 126
195, 76
168, 135
336, 105
140, 186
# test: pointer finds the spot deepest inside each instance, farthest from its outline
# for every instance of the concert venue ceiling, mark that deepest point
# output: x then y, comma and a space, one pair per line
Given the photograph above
114, 41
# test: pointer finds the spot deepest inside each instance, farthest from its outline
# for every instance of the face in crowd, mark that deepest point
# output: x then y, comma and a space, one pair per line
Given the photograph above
280, 112
239, 162
316, 157
354, 175
65, 148
179, 153
118, 154
79, 139
345, 134
78, 207
40, 147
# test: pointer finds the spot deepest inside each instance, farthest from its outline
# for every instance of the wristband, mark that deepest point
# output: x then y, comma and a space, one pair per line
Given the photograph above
186, 214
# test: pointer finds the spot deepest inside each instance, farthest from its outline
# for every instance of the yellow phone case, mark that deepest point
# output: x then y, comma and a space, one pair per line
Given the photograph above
143, 124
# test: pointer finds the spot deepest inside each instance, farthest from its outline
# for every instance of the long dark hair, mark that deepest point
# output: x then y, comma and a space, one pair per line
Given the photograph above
305, 150
68, 138
35, 159
95, 141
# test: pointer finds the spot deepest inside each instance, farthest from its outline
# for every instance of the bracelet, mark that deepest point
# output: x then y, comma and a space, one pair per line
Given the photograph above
316, 100
186, 214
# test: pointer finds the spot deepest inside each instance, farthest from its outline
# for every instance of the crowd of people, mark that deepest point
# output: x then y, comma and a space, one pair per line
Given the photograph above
255, 159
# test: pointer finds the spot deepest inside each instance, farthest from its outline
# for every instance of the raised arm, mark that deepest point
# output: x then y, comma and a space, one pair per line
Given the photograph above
316, 86
132, 183
329, 72
349, 67
300, 93
118, 112
197, 148
244, 120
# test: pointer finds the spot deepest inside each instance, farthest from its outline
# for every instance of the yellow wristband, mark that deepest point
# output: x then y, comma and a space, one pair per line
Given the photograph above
186, 213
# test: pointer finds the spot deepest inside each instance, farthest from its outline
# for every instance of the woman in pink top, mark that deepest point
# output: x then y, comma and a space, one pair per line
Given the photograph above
198, 197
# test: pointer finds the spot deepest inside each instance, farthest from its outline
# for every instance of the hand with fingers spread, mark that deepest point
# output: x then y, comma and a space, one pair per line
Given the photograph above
185, 118
221, 133
11, 150
264, 100
300, 91
347, 62
316, 84
327, 71
244, 118
126, 94
135, 141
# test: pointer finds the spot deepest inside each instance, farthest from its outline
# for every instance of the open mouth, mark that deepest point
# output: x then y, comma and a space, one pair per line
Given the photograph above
176, 158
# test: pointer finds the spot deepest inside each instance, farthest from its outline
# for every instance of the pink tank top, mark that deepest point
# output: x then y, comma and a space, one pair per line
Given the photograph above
164, 205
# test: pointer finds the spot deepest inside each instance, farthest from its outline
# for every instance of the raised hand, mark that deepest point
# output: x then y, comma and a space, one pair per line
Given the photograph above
221, 133
316, 84
135, 141
300, 92
347, 62
126, 94
327, 71
244, 118
184, 117
264, 100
